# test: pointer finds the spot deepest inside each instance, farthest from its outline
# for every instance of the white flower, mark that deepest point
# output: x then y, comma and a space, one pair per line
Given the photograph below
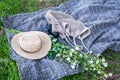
54, 60
80, 55
77, 48
73, 66
68, 59
86, 68
103, 59
72, 50
98, 55
58, 55
110, 74
40, 0
105, 64
70, 54
90, 52
97, 61
74, 63
91, 61
106, 76
92, 65
99, 72
94, 69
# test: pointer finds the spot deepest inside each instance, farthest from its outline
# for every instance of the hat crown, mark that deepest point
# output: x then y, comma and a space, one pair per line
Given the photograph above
30, 43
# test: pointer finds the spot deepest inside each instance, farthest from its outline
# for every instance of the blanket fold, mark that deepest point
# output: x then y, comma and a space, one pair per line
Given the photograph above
102, 17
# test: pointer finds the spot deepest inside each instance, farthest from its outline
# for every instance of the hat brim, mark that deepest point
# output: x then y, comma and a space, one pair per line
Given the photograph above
45, 47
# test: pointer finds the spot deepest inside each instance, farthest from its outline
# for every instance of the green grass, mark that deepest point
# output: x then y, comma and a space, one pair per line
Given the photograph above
113, 58
8, 68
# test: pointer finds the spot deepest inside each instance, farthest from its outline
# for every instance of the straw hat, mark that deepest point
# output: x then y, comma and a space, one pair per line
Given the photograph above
32, 44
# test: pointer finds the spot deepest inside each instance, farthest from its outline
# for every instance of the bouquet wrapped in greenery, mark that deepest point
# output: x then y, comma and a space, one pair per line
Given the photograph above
95, 65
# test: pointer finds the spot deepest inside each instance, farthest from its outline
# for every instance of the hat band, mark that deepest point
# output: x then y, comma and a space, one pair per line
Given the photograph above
29, 51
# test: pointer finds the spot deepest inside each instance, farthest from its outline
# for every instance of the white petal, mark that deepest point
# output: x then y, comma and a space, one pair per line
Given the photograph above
90, 52
110, 74
73, 66
99, 72
86, 68
103, 60
98, 55
94, 69
74, 63
77, 48
105, 64
80, 55
91, 61
58, 55
106, 76
72, 50
70, 54
68, 59
97, 61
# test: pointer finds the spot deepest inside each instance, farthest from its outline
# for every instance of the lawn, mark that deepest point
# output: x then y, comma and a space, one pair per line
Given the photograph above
8, 68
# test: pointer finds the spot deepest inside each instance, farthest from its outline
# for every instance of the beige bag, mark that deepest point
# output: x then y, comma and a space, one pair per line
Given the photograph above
67, 26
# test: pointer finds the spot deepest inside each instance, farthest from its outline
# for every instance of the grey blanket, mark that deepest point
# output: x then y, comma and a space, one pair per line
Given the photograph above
101, 16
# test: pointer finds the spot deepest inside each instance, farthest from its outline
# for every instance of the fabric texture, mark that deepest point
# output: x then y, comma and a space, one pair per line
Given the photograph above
101, 16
